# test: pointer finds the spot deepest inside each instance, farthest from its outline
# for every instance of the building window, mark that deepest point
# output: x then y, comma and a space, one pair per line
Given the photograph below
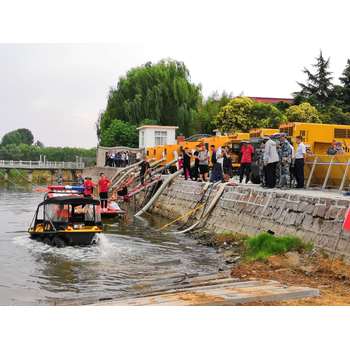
142, 138
160, 138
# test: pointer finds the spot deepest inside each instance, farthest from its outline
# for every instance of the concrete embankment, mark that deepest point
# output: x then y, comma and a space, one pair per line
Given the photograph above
314, 216
94, 172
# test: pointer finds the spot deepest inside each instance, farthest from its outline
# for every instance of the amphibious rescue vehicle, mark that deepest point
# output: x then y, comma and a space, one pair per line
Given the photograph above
67, 220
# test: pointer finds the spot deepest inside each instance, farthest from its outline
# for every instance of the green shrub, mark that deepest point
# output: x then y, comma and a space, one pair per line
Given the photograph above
264, 245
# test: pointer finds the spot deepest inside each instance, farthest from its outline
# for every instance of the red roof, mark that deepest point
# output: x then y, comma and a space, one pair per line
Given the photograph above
271, 99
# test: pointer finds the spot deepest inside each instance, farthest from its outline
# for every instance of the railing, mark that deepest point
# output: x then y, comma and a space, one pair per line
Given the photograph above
326, 172
29, 164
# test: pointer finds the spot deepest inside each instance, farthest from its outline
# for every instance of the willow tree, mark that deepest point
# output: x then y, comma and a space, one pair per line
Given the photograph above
161, 92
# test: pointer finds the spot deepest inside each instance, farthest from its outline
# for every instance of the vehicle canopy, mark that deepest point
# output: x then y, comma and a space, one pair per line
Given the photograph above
63, 210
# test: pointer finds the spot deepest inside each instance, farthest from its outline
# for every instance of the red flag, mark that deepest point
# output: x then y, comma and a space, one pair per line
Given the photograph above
346, 223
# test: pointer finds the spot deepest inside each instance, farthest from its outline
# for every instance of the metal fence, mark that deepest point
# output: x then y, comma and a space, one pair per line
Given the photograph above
29, 164
327, 172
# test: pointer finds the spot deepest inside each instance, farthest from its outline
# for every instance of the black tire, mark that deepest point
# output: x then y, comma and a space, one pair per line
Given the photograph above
255, 179
255, 176
58, 242
47, 240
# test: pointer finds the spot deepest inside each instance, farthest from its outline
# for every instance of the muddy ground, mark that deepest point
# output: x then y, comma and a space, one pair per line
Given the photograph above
311, 269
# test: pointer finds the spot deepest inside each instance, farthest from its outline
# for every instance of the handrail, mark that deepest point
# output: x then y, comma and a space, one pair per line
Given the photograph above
32, 164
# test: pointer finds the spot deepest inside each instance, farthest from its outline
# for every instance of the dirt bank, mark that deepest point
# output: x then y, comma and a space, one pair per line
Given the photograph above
331, 277
310, 269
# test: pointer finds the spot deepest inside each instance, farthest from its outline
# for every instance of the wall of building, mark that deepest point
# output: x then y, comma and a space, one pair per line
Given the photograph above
149, 136
313, 216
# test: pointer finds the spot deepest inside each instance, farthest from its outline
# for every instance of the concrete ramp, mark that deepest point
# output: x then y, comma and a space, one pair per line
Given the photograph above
219, 290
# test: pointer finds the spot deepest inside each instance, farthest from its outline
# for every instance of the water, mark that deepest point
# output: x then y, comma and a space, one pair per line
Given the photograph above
129, 259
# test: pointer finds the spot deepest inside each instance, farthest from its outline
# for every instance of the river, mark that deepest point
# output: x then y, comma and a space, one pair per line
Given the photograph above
130, 258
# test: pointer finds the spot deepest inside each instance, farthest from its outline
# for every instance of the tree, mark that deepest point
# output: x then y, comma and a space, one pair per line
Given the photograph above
344, 95
235, 116
266, 115
304, 112
204, 121
39, 144
335, 115
242, 114
119, 133
318, 88
162, 92
282, 106
17, 137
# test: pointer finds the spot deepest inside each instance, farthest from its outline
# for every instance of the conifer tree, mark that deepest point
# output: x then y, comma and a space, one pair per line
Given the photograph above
345, 88
318, 89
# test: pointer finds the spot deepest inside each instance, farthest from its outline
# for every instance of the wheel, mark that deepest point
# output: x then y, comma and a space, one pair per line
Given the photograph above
255, 179
47, 241
58, 242
255, 176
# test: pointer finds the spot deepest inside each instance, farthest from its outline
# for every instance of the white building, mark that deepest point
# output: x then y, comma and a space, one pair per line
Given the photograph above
156, 135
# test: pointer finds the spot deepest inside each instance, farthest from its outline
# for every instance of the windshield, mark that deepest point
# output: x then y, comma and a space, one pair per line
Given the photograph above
57, 212
65, 213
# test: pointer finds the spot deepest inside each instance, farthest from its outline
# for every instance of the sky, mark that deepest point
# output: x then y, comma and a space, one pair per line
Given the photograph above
255, 48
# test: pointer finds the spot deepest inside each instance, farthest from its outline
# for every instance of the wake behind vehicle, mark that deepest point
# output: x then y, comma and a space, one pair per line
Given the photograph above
66, 220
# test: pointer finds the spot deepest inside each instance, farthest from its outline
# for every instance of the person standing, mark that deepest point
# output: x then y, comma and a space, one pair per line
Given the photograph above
80, 180
217, 173
247, 151
103, 186
213, 155
204, 162
299, 162
285, 155
291, 168
186, 154
260, 162
271, 159
113, 159
227, 165
144, 168
88, 187
195, 172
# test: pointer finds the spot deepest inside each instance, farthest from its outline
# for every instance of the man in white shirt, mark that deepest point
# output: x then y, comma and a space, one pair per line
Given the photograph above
299, 162
271, 159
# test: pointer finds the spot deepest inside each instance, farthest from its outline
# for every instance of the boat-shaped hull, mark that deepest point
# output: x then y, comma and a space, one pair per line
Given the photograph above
63, 238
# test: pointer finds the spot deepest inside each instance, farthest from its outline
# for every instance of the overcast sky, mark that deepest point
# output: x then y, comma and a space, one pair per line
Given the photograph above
255, 47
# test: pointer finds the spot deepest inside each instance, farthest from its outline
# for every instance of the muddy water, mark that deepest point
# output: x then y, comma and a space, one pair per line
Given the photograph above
129, 259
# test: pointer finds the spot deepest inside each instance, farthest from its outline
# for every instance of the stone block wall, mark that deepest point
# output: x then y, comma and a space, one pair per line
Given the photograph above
249, 210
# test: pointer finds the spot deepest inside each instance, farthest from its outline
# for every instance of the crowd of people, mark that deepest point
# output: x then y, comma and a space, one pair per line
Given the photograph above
117, 159
279, 164
335, 148
277, 161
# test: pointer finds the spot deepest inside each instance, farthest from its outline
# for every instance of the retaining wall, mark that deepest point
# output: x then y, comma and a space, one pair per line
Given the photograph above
311, 215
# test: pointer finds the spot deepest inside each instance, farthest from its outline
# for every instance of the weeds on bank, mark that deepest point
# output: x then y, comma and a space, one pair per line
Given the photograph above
264, 245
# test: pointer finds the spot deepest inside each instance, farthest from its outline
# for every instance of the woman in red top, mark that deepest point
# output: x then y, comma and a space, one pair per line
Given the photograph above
88, 187
247, 151
103, 186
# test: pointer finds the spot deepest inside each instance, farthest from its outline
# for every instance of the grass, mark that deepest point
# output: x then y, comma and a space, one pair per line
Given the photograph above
264, 245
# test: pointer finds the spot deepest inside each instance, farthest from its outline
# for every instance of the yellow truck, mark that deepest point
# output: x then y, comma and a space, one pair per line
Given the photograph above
321, 169
262, 132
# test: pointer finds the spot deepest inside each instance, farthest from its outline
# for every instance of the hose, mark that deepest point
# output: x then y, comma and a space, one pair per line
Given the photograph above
210, 208
182, 216
198, 204
159, 192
